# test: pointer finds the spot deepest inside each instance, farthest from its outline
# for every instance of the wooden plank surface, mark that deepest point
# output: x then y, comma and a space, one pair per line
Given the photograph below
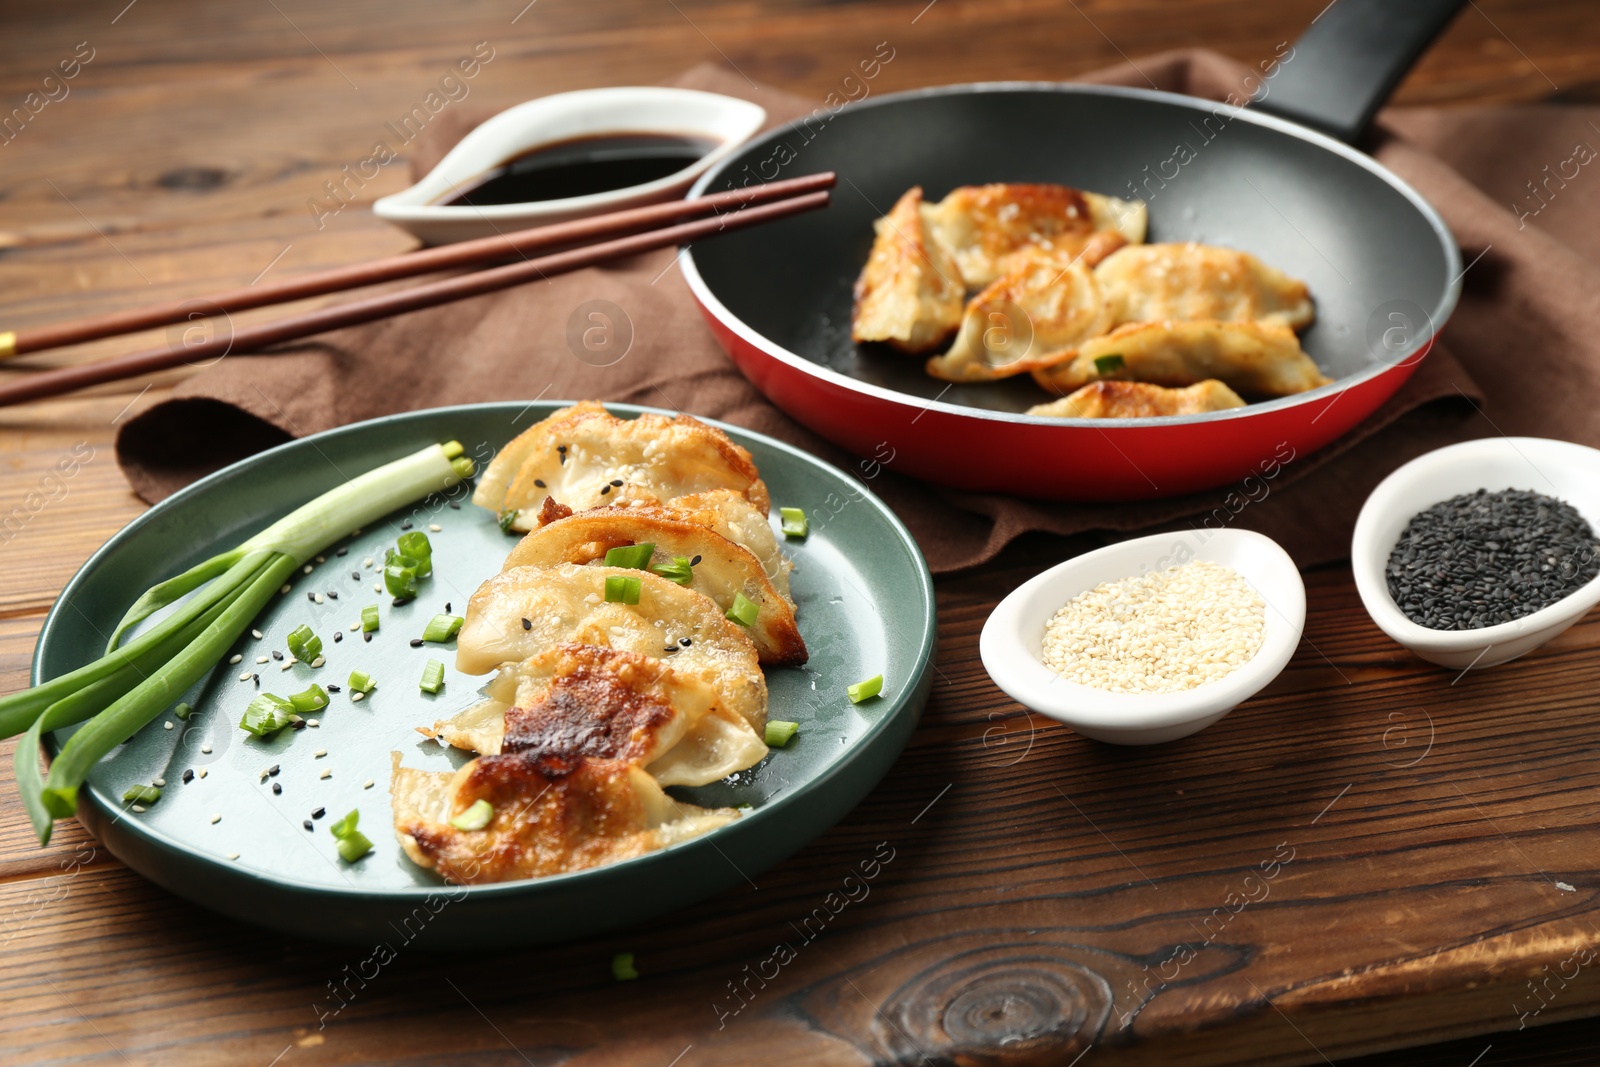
1431, 845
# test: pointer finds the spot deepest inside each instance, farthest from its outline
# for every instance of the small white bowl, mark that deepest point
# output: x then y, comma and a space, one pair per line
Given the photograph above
1555, 468
549, 119
1013, 638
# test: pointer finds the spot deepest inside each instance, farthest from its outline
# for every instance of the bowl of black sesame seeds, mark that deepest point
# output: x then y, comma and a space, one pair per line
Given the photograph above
1478, 553
1151, 639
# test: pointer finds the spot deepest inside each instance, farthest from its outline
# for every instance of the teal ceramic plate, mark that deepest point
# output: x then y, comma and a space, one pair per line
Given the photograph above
865, 603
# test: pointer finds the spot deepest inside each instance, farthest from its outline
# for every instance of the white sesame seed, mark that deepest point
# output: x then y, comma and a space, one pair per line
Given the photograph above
263, 659
1162, 632
322, 559
245, 677
355, 626
367, 784
216, 817
356, 698
236, 658
139, 808
319, 753
206, 749
306, 569
233, 855
159, 783
367, 562
167, 725
377, 588
319, 661
290, 662
256, 634
435, 527
285, 588
202, 772
316, 598
326, 774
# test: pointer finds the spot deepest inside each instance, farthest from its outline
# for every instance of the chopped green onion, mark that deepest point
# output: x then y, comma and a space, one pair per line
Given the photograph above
353, 844
369, 619
305, 645
622, 968
141, 794
182, 710
621, 590
1109, 363
475, 817
400, 576
744, 610
361, 682
793, 522
865, 690
432, 677
266, 715
680, 570
779, 733
507, 518
442, 628
313, 699
414, 544
132, 683
634, 556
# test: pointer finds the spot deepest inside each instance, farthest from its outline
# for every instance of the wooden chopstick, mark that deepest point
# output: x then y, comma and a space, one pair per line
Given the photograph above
383, 305
512, 245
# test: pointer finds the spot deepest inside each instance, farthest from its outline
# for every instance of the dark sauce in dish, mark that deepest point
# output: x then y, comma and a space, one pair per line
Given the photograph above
583, 165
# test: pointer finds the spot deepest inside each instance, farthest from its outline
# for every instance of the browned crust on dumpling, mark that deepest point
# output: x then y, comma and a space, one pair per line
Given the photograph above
601, 702
1140, 400
985, 226
1253, 358
909, 293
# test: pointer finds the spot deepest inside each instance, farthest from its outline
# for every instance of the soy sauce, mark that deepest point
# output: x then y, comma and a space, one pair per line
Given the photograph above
584, 165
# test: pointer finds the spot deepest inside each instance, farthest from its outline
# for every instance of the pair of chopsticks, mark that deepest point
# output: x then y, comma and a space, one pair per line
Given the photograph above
612, 236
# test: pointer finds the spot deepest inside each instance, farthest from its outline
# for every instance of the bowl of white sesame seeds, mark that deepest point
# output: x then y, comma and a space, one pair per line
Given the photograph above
1151, 639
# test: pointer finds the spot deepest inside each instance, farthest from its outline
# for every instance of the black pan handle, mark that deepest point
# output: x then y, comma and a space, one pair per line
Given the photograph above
1350, 59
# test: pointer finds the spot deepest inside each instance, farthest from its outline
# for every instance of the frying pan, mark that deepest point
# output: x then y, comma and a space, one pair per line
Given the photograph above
1381, 264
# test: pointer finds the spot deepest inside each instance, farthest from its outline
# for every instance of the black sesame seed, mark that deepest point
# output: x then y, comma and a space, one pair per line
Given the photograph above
454, 506
319, 813
307, 825
416, 642
367, 637
188, 776
298, 724
277, 789
355, 576
276, 654
405, 525
311, 597
539, 482
1482, 559
333, 688
272, 771
342, 552
617, 482
338, 635
685, 642
527, 624
604, 489
695, 562
447, 607
256, 678
401, 601
332, 595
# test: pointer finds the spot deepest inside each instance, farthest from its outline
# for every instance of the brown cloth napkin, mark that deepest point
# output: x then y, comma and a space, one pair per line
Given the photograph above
1521, 356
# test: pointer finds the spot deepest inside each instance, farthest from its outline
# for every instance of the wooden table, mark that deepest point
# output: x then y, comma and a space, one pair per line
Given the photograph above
1372, 855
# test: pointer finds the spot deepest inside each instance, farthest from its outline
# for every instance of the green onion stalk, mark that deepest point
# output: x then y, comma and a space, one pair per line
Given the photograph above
132, 683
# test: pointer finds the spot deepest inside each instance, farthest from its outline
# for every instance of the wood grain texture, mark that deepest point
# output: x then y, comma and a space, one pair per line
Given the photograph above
1431, 844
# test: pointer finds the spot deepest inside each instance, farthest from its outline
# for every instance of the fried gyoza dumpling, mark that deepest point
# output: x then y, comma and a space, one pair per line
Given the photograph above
1048, 302
1155, 283
549, 815
735, 518
582, 700
985, 226
1139, 400
525, 610
721, 569
910, 292
1251, 357
583, 456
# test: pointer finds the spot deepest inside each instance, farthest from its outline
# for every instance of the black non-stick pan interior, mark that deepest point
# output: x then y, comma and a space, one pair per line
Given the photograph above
1367, 247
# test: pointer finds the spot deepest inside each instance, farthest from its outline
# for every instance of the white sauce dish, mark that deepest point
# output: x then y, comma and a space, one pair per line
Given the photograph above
1012, 640
554, 119
1559, 469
